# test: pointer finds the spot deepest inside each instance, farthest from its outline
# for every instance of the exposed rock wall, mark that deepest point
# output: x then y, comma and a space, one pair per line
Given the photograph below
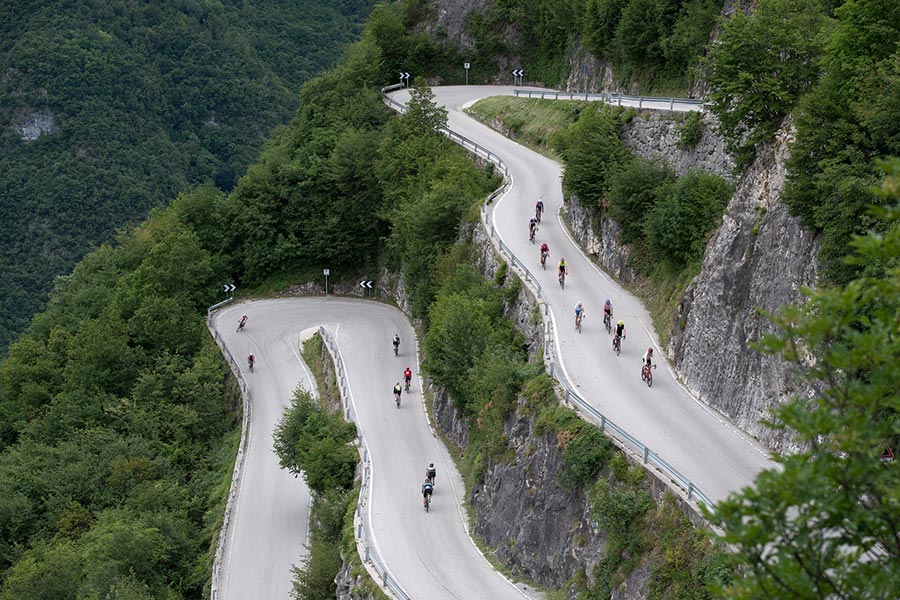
759, 257
450, 20
654, 136
605, 246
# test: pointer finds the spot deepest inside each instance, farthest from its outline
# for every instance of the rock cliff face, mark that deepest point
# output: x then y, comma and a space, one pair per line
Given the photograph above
759, 257
654, 136
450, 22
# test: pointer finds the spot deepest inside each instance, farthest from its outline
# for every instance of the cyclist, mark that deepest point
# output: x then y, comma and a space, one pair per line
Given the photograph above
607, 309
242, 322
579, 314
563, 270
648, 358
430, 473
618, 335
407, 376
539, 210
427, 489
397, 391
532, 228
396, 344
545, 252
251, 360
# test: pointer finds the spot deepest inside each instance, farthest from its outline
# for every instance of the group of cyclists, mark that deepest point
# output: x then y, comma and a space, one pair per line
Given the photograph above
617, 330
398, 390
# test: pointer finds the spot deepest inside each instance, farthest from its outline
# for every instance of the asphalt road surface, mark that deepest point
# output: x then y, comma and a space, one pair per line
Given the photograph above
429, 554
271, 510
695, 439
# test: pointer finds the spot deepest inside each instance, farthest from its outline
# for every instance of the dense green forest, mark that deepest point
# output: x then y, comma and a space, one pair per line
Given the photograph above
653, 44
147, 99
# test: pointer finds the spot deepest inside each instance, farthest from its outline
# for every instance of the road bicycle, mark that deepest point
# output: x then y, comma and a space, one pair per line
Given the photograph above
427, 502
562, 279
241, 324
647, 374
537, 215
544, 260
617, 344
406, 381
578, 318
396, 348
397, 399
607, 322
250, 363
531, 233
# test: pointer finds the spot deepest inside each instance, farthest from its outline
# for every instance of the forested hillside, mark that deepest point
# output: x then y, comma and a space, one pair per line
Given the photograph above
136, 102
118, 418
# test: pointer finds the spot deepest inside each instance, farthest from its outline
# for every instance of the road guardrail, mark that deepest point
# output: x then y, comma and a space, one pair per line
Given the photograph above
686, 104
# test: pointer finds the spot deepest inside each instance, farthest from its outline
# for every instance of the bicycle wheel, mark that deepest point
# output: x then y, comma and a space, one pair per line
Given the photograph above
649, 378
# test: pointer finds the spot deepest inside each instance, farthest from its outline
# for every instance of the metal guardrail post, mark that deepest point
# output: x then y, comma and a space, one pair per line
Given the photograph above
646, 454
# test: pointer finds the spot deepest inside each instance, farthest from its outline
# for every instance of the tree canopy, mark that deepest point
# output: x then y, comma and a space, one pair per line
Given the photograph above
147, 99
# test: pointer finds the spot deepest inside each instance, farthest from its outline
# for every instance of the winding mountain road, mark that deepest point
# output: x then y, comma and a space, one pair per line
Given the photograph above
696, 440
429, 554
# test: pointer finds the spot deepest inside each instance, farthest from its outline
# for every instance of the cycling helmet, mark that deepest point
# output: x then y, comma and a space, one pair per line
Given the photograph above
431, 466
579, 305
650, 351
621, 322
607, 301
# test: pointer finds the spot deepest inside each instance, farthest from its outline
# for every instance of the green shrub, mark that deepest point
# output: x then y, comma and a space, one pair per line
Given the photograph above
617, 508
316, 443
690, 131
677, 227
593, 152
633, 191
585, 450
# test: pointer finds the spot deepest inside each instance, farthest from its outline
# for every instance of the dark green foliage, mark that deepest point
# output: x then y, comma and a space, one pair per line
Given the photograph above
593, 152
760, 66
844, 123
312, 441
690, 131
114, 425
824, 524
147, 99
585, 450
634, 190
656, 42
677, 227
466, 329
